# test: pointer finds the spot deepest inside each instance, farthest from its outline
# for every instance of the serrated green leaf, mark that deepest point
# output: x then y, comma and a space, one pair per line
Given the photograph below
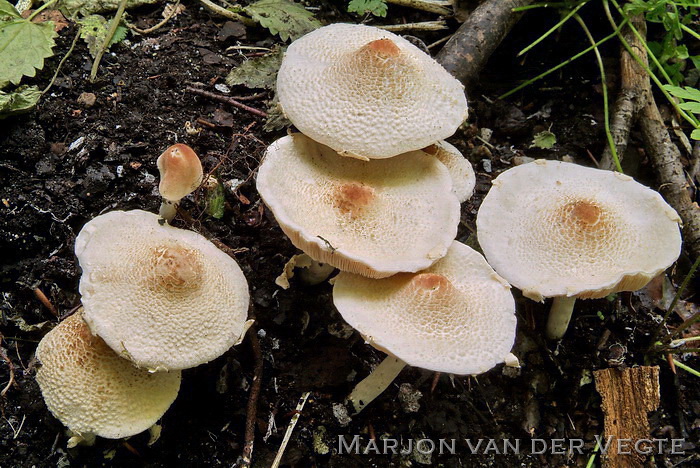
260, 72
23, 47
94, 29
361, 7
684, 93
20, 100
544, 140
695, 135
7, 10
283, 17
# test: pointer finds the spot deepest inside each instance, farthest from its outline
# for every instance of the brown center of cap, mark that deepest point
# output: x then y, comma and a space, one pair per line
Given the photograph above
352, 198
431, 282
383, 47
175, 268
583, 217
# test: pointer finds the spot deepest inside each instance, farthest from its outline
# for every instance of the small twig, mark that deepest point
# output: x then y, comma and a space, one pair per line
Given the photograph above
46, 302
440, 7
290, 429
167, 18
110, 34
11, 367
252, 411
226, 99
63, 60
228, 13
422, 26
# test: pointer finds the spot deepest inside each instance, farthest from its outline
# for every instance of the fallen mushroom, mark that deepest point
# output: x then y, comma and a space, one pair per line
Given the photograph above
461, 170
180, 174
368, 93
457, 316
92, 390
360, 216
163, 297
556, 229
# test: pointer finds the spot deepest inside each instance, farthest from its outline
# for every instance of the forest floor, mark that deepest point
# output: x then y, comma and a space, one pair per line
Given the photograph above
66, 162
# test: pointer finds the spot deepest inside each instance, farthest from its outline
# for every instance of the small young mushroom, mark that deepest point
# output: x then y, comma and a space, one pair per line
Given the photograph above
368, 93
461, 170
180, 174
556, 229
457, 316
163, 297
92, 390
360, 216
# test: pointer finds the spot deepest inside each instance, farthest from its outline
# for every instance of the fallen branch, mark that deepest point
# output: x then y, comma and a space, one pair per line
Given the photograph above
441, 7
11, 367
252, 410
466, 53
290, 429
424, 26
225, 99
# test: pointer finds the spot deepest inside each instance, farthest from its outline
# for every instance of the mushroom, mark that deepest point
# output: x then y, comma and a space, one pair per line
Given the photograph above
360, 216
461, 170
92, 390
457, 316
163, 297
180, 174
556, 229
368, 93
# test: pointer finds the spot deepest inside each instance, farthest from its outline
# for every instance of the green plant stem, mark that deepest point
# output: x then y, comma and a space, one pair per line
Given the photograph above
646, 68
690, 31
228, 13
110, 34
63, 60
606, 107
541, 5
683, 341
554, 28
686, 368
561, 65
40, 9
682, 350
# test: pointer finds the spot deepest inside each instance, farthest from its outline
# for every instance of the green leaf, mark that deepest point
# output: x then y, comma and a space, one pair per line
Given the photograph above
215, 199
683, 93
693, 107
361, 7
260, 72
283, 17
94, 29
544, 140
23, 45
696, 134
20, 100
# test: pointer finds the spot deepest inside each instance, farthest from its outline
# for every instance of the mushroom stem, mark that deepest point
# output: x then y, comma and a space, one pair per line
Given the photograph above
168, 210
559, 316
375, 383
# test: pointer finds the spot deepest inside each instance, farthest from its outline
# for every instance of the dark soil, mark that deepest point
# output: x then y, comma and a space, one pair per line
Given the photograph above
51, 185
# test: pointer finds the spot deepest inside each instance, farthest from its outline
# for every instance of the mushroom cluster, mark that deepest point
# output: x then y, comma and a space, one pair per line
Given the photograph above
371, 188
156, 299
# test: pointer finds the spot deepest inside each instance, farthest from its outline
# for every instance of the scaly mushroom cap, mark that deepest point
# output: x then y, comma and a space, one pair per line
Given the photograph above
368, 93
457, 316
92, 390
180, 172
558, 229
374, 218
164, 297
461, 170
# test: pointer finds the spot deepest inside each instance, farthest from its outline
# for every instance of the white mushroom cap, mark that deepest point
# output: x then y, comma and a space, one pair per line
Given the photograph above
558, 229
164, 297
180, 172
368, 93
374, 218
461, 170
457, 316
92, 390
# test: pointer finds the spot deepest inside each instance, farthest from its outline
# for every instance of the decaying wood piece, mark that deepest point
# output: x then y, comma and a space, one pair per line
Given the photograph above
635, 89
628, 395
466, 53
